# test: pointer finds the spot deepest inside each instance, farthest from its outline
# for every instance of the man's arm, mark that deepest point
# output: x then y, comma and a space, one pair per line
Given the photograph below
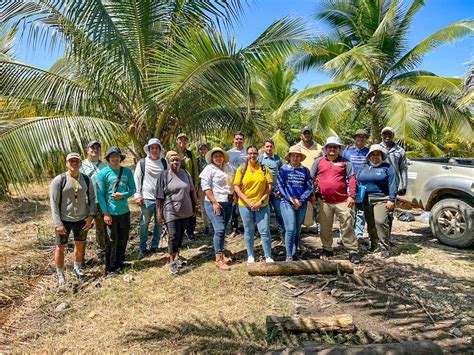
54, 201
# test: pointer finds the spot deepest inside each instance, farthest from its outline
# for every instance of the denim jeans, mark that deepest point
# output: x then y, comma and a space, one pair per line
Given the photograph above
359, 220
293, 220
275, 203
148, 210
261, 220
219, 223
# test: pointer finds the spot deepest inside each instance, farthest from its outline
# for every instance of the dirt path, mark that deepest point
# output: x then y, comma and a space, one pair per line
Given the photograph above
423, 292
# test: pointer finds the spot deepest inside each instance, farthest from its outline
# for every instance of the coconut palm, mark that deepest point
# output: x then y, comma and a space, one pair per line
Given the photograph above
131, 69
367, 49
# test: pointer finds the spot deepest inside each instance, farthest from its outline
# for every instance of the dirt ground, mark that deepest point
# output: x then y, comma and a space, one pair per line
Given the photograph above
424, 291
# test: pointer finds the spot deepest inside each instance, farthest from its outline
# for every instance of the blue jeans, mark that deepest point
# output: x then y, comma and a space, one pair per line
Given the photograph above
219, 223
293, 220
275, 203
359, 220
148, 210
260, 219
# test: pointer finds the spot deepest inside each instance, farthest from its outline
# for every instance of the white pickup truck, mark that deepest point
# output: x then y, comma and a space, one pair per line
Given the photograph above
445, 187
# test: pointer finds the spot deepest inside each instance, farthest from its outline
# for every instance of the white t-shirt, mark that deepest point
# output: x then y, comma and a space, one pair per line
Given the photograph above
153, 169
218, 180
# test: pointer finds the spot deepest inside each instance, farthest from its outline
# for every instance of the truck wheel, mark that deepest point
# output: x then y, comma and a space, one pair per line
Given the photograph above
452, 222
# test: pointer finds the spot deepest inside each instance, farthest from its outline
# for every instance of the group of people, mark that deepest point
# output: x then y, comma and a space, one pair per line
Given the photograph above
310, 186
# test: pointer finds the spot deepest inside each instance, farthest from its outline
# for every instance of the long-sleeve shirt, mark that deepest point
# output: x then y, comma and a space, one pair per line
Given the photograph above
295, 183
380, 181
189, 163
106, 181
153, 169
356, 156
336, 179
71, 209
237, 157
274, 164
397, 158
91, 169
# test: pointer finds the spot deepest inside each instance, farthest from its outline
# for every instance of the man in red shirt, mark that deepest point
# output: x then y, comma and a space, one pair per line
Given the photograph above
336, 185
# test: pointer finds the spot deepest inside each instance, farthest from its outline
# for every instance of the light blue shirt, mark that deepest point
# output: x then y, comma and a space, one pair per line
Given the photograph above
107, 178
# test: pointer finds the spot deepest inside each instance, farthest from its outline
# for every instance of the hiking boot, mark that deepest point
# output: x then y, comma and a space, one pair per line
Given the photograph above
111, 274
354, 258
60, 279
174, 270
269, 260
153, 250
384, 253
181, 262
220, 263
142, 254
250, 260
327, 253
289, 258
227, 259
78, 273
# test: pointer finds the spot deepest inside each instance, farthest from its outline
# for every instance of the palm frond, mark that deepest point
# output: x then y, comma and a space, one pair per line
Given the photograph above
428, 86
26, 149
449, 34
407, 115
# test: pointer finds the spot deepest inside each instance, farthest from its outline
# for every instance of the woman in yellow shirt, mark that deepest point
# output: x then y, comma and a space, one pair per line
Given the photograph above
253, 185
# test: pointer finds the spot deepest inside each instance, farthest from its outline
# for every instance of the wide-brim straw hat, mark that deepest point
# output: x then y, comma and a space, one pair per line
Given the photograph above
295, 150
378, 147
214, 150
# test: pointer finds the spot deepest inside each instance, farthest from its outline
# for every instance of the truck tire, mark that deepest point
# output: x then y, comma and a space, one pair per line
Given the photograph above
452, 222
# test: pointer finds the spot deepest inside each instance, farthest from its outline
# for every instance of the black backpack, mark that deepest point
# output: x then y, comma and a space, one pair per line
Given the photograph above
142, 168
63, 184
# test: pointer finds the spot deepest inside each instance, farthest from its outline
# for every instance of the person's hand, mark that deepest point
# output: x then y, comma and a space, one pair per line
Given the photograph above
195, 210
140, 201
390, 205
217, 208
297, 203
161, 219
402, 192
351, 202
256, 206
278, 194
61, 230
117, 195
107, 219
89, 221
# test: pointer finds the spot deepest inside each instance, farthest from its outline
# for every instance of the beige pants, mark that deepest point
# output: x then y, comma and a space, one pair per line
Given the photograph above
345, 215
205, 218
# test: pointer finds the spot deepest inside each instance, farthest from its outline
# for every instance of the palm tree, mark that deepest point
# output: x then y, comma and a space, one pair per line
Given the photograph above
131, 70
367, 49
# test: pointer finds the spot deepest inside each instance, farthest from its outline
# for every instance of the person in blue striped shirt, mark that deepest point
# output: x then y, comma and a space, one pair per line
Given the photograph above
295, 185
356, 155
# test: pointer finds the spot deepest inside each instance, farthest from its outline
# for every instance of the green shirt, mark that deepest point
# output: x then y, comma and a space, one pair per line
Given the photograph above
106, 181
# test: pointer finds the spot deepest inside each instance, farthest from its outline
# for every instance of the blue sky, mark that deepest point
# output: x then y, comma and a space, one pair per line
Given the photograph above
448, 60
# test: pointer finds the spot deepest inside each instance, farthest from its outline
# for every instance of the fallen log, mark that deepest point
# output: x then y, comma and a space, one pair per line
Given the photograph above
342, 323
303, 267
423, 347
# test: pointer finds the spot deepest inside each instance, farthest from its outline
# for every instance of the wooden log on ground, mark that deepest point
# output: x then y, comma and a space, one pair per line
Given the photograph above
423, 347
303, 267
342, 323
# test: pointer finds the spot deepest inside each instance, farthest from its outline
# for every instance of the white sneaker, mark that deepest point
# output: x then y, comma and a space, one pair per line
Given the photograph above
250, 260
269, 260
61, 279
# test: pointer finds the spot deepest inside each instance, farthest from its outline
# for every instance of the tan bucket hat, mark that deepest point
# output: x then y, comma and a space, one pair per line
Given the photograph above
216, 149
295, 149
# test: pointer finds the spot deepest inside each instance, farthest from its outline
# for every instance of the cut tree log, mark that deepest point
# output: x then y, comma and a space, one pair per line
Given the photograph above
304, 267
342, 323
423, 347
